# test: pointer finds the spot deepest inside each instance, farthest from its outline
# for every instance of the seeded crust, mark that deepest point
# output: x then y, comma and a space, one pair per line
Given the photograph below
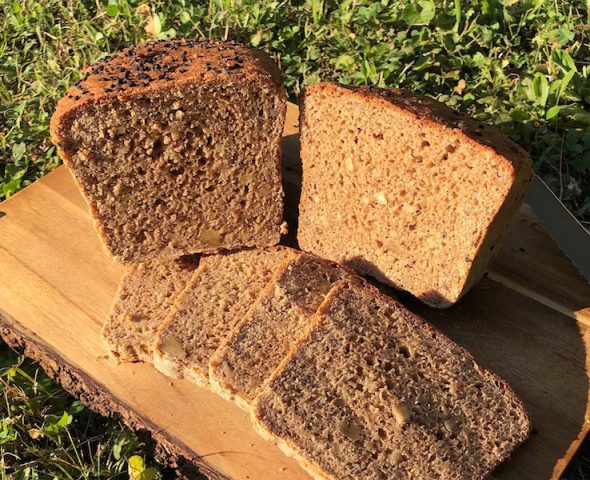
402, 188
280, 316
175, 146
219, 294
372, 391
143, 301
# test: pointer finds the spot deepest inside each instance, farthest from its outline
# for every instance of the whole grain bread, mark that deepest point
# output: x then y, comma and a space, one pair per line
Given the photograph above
143, 301
175, 146
219, 294
375, 392
400, 187
280, 316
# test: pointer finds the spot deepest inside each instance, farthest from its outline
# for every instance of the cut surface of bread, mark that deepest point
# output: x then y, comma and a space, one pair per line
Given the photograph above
280, 316
372, 391
176, 148
144, 299
219, 294
402, 188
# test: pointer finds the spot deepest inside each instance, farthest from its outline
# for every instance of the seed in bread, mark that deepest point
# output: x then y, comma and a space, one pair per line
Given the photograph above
176, 148
144, 299
402, 188
219, 294
281, 315
372, 391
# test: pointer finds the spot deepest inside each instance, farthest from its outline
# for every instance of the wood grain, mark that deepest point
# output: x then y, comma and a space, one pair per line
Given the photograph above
57, 284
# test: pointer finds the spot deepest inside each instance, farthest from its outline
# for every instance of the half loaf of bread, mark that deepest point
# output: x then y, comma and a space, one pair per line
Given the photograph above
401, 187
175, 146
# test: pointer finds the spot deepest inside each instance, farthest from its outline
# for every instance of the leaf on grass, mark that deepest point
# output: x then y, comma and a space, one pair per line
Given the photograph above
540, 88
419, 14
552, 112
256, 38
461, 84
563, 60
135, 467
113, 10
18, 150
153, 25
35, 433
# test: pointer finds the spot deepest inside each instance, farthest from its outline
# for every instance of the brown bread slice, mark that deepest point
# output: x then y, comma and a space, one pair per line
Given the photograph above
280, 316
220, 293
143, 301
400, 187
372, 391
176, 147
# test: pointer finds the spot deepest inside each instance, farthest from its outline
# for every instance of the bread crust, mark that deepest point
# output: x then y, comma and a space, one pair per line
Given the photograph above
292, 450
160, 66
428, 111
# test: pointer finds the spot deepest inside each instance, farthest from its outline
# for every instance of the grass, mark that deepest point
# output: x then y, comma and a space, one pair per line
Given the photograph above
521, 65
47, 434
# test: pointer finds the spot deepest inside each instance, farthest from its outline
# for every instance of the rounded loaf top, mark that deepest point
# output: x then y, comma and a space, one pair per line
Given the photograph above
163, 64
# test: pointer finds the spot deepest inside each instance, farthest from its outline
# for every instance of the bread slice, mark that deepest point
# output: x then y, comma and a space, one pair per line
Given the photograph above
220, 293
176, 147
374, 392
280, 316
402, 188
143, 301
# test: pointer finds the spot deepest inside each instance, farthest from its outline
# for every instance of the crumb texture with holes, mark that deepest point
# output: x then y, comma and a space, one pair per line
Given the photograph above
220, 293
400, 187
280, 316
144, 299
176, 148
375, 392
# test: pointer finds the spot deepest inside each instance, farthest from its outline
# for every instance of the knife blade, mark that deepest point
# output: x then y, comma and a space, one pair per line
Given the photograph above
569, 234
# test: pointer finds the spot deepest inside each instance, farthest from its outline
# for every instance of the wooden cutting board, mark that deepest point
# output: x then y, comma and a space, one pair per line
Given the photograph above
528, 321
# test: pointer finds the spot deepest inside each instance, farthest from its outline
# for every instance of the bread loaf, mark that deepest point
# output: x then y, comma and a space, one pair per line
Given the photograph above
220, 293
280, 316
144, 299
375, 392
176, 147
402, 188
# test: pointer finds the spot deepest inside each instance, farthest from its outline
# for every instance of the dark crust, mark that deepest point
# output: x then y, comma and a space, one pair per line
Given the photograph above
164, 64
166, 449
316, 322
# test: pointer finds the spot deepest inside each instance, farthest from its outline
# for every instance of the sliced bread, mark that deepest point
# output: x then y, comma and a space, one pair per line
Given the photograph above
401, 187
176, 147
220, 293
267, 333
143, 301
375, 392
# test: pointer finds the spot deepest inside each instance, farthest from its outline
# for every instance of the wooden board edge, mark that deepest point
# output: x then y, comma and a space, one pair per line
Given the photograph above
564, 462
166, 449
